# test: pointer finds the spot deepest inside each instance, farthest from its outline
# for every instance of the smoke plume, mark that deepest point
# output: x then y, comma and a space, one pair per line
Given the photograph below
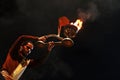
89, 14
97, 8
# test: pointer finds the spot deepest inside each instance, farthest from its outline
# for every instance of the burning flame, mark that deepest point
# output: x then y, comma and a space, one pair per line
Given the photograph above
78, 23
63, 21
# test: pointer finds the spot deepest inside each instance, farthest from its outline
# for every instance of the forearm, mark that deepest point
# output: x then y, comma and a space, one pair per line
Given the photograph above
23, 38
28, 37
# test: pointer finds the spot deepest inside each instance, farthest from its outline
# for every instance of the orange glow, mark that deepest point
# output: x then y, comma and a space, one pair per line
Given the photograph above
62, 22
78, 23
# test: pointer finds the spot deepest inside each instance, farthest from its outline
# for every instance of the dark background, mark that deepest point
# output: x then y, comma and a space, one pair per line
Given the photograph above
95, 54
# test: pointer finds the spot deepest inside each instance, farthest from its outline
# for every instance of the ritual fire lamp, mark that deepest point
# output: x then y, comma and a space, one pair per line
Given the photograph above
68, 29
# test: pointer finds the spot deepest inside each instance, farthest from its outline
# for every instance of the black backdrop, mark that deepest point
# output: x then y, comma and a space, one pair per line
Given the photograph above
95, 54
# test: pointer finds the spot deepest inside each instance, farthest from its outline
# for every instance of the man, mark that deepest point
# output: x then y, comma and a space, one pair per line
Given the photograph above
16, 61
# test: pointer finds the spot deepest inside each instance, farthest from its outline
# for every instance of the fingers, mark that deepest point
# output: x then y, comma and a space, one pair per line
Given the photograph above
50, 45
42, 38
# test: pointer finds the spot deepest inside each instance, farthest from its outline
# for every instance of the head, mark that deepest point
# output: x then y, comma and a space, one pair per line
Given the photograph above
26, 48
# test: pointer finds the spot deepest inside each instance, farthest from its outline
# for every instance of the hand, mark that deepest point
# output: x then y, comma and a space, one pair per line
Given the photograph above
42, 38
51, 44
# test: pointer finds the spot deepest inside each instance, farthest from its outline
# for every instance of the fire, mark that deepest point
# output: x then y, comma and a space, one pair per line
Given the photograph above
64, 21
78, 23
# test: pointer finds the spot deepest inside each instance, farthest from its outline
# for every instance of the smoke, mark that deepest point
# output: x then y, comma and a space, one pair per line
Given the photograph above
97, 8
41, 7
89, 14
50, 9
93, 8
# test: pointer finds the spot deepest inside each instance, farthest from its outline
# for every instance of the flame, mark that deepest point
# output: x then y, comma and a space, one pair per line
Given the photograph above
78, 23
63, 21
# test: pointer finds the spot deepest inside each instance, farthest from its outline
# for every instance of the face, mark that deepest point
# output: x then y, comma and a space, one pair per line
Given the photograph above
27, 48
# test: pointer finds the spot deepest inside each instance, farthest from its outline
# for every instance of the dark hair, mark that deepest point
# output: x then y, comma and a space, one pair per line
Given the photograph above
25, 42
14, 53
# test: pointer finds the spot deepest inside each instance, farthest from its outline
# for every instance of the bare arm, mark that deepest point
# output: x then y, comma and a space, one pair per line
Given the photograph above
26, 37
12, 54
